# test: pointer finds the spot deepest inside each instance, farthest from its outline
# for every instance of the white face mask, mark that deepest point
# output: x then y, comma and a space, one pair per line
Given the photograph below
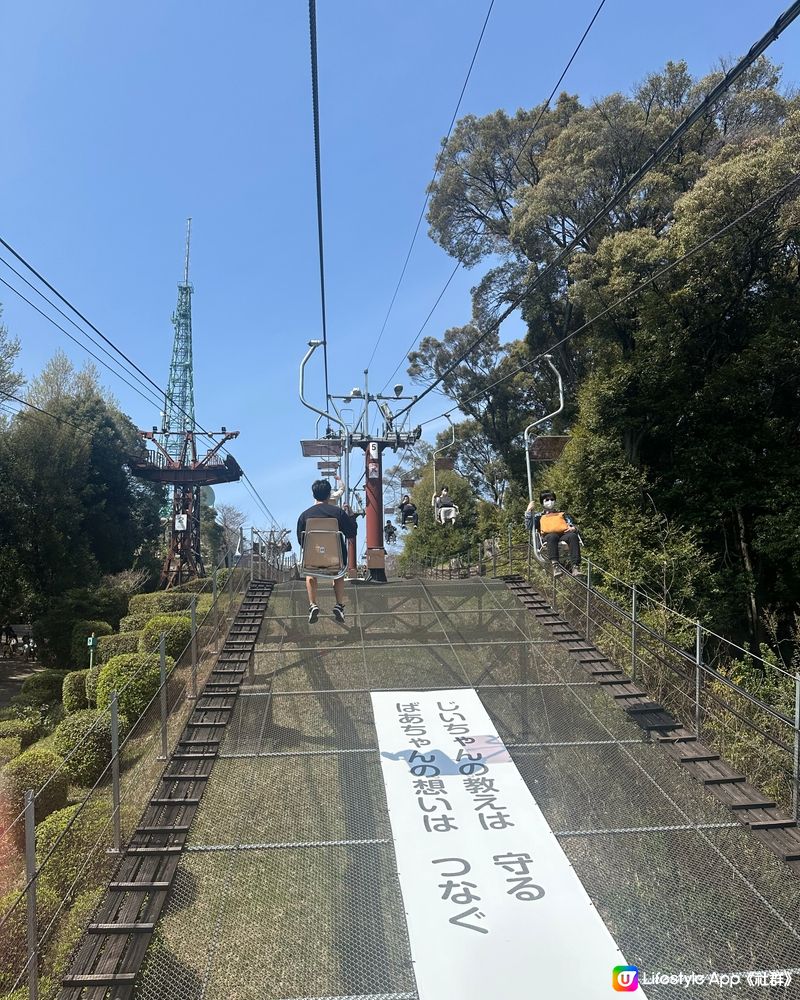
549, 504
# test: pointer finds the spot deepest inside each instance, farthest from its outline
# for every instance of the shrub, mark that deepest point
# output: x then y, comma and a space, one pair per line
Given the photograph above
88, 733
80, 633
31, 770
165, 600
91, 683
13, 934
135, 621
113, 645
27, 728
41, 688
73, 691
10, 747
80, 861
53, 631
135, 676
177, 629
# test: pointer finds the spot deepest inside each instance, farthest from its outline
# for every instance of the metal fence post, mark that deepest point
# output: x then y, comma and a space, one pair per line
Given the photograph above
193, 689
115, 791
796, 788
480, 559
251, 553
634, 615
588, 599
162, 656
495, 542
214, 606
698, 666
510, 552
30, 873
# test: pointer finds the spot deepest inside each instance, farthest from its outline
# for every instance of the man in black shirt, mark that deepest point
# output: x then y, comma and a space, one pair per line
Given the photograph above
321, 490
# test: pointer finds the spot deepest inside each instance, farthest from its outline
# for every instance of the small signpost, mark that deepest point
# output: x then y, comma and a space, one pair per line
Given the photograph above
91, 642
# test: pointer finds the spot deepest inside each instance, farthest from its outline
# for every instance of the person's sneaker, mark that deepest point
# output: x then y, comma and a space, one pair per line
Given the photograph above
338, 613
576, 571
558, 569
313, 613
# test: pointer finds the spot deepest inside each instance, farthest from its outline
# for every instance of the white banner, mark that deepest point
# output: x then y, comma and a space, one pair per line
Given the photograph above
494, 908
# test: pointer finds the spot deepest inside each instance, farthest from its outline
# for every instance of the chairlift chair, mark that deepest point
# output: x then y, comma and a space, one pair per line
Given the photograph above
323, 548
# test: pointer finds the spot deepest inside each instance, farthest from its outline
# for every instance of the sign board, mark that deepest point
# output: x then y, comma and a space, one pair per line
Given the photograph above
493, 906
548, 448
91, 642
181, 522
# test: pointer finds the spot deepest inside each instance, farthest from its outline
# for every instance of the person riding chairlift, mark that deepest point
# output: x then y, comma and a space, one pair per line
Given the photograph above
408, 512
389, 531
444, 508
553, 527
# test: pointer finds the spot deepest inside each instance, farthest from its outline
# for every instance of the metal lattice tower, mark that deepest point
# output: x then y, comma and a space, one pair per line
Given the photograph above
179, 405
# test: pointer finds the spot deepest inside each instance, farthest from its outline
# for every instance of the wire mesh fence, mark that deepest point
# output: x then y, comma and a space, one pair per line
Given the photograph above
288, 887
57, 871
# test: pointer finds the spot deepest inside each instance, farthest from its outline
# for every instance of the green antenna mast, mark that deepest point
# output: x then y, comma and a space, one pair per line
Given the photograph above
179, 405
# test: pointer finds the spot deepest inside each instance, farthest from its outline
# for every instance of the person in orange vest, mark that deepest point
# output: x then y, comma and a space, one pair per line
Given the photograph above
554, 525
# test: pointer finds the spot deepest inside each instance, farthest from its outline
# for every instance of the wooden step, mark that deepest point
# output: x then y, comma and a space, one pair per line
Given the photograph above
139, 886
135, 928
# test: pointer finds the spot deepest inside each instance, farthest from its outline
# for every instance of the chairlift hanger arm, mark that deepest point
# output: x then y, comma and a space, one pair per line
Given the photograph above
549, 359
312, 346
449, 444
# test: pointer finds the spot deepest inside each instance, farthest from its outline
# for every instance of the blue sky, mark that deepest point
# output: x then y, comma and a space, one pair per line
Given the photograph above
119, 121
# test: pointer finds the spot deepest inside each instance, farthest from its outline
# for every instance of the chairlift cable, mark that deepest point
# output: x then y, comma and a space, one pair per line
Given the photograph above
528, 138
756, 50
625, 298
312, 23
428, 196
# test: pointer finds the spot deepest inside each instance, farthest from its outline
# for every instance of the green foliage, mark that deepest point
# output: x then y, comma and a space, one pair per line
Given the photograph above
136, 621
54, 628
88, 734
135, 677
41, 689
436, 542
177, 633
165, 600
73, 691
80, 633
202, 583
10, 747
13, 934
91, 683
26, 727
31, 770
70, 931
113, 645
80, 861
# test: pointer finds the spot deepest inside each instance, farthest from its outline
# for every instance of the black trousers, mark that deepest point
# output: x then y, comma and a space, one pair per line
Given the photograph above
551, 540
412, 516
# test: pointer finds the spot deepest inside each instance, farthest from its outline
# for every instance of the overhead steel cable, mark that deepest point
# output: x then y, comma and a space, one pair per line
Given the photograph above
161, 393
312, 24
75, 340
428, 195
514, 163
152, 398
757, 49
659, 273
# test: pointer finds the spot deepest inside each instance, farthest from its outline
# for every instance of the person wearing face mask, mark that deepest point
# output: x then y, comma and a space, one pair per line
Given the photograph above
554, 526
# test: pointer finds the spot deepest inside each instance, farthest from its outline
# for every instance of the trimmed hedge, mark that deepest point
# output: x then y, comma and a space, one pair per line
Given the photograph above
89, 731
113, 645
80, 633
163, 600
177, 629
41, 688
136, 621
31, 770
73, 691
81, 854
136, 677
203, 583
10, 747
27, 729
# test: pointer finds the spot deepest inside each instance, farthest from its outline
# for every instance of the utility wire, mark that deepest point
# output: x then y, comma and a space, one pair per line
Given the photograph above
428, 195
161, 393
514, 163
627, 297
661, 152
312, 23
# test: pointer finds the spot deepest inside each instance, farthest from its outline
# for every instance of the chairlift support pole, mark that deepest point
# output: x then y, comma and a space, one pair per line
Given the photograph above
549, 359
